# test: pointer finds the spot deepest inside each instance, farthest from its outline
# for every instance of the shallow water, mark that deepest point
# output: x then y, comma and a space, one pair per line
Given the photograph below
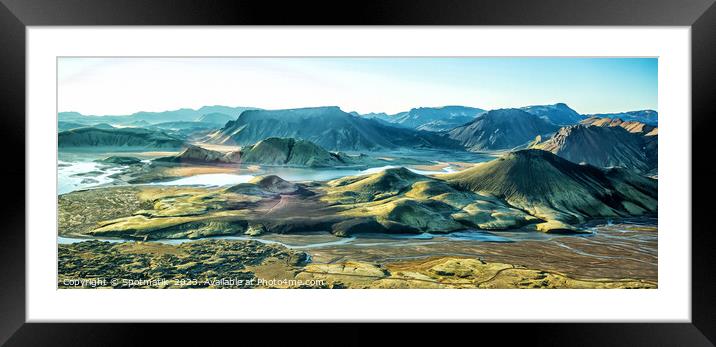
70, 175
72, 165
289, 174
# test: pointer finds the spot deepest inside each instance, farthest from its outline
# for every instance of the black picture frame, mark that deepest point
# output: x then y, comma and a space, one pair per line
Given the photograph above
16, 15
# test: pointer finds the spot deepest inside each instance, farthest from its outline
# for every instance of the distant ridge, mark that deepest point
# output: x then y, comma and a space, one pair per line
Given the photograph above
328, 127
430, 118
649, 117
180, 115
558, 113
501, 129
117, 137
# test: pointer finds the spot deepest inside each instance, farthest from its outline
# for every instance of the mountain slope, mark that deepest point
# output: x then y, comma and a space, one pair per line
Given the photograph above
649, 117
501, 129
559, 191
630, 126
433, 118
272, 151
606, 142
328, 127
559, 113
291, 152
216, 118
117, 137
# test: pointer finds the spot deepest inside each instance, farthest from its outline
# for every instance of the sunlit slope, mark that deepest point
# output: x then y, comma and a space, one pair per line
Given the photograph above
558, 190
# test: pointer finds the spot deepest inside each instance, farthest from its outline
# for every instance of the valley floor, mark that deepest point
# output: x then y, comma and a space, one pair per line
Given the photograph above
622, 255
189, 234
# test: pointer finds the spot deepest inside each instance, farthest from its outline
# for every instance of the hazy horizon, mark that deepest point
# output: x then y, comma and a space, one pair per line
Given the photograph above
123, 86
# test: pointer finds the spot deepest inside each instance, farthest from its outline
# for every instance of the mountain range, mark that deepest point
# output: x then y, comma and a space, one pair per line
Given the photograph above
501, 129
430, 118
448, 127
559, 113
649, 117
328, 127
209, 114
607, 142
118, 137
271, 151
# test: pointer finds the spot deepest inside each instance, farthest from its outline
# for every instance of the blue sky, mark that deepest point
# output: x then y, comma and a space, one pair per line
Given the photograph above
126, 85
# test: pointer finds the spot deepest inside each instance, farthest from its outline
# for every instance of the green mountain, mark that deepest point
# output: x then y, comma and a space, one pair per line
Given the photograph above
328, 127
501, 129
605, 142
117, 137
291, 152
272, 151
559, 191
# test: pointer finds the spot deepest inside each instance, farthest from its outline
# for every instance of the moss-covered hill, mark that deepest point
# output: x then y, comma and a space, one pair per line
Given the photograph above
559, 191
531, 188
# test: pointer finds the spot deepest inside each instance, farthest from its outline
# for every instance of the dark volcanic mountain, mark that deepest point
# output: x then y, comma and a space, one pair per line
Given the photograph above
117, 137
559, 113
328, 127
560, 191
649, 117
609, 143
432, 118
272, 151
501, 129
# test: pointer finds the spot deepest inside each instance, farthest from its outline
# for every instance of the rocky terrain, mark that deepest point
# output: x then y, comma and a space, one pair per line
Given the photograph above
251, 264
202, 264
501, 129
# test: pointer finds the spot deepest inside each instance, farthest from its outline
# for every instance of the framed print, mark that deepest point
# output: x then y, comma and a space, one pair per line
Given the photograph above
432, 162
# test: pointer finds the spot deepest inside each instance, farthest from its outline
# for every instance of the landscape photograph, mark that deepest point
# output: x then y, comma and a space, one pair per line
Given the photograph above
357, 173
